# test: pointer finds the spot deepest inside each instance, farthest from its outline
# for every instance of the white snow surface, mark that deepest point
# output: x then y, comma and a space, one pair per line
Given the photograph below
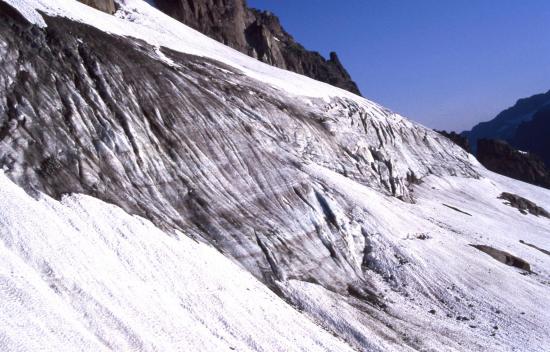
83, 275
443, 272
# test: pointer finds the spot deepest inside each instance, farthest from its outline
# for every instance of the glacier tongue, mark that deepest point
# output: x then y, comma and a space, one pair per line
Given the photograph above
357, 216
196, 145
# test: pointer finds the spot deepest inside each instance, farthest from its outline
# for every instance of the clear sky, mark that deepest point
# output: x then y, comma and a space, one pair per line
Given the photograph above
445, 63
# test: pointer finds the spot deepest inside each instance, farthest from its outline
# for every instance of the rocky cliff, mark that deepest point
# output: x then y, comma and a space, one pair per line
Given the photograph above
107, 6
258, 34
500, 157
458, 139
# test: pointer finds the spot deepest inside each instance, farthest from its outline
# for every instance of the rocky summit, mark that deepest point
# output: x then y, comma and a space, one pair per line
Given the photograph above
258, 34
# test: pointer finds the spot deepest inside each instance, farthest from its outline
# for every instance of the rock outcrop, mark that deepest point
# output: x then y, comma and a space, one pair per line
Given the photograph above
258, 34
458, 139
524, 205
107, 6
500, 157
504, 257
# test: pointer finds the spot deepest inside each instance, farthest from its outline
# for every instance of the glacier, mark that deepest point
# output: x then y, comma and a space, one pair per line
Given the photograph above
153, 176
82, 275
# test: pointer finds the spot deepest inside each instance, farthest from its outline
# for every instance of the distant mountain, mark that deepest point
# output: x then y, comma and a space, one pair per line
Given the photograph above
258, 34
516, 142
505, 124
534, 135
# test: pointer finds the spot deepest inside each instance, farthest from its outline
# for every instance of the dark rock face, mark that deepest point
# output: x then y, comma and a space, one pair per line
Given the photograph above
258, 34
504, 257
458, 139
223, 20
505, 124
524, 205
107, 6
534, 135
500, 157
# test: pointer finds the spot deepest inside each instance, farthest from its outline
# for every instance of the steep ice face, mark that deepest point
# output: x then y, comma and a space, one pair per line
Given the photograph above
346, 209
196, 145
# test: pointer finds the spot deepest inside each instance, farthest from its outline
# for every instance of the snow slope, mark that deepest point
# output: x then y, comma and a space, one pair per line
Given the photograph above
436, 269
138, 19
83, 275
313, 178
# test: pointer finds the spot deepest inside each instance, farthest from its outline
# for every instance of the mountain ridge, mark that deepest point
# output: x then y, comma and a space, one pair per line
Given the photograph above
258, 34
525, 127
505, 124
533, 135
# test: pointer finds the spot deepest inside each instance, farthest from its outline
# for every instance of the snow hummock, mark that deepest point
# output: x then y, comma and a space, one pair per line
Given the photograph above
83, 275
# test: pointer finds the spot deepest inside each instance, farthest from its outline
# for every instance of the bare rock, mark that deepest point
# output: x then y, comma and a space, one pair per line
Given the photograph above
500, 157
458, 139
107, 6
524, 205
258, 34
504, 257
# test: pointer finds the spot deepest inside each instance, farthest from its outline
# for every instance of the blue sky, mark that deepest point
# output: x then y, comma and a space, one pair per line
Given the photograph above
445, 63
